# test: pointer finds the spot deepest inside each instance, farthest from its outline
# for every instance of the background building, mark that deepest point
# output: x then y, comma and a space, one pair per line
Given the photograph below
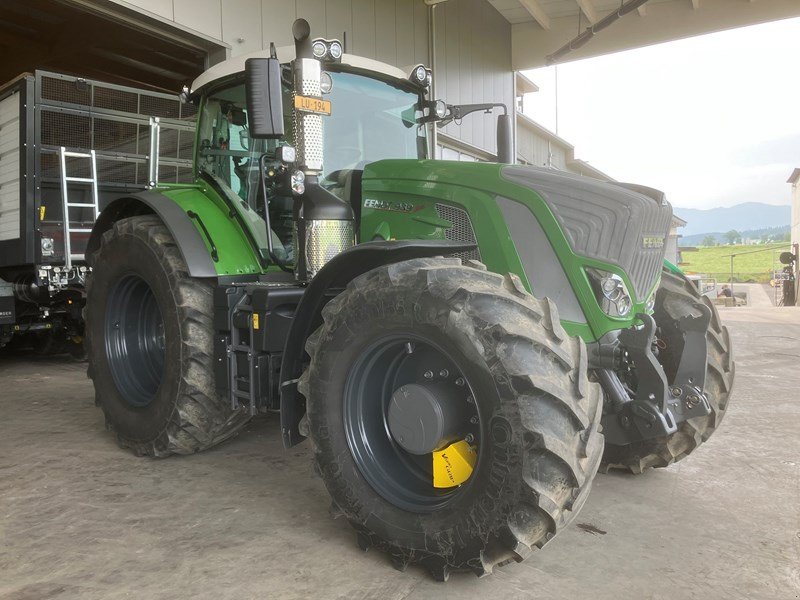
475, 46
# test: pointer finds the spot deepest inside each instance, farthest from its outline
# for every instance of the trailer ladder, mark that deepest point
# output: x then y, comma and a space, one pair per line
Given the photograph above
63, 154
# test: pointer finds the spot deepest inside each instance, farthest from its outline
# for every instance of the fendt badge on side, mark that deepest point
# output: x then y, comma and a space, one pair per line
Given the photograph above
405, 207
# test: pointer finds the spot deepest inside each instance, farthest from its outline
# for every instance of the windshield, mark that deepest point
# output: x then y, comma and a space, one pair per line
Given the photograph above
370, 120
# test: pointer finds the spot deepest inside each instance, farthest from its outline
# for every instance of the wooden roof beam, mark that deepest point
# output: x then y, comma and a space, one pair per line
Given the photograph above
537, 12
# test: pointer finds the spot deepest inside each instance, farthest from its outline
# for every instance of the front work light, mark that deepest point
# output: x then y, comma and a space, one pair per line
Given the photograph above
327, 50
421, 75
611, 292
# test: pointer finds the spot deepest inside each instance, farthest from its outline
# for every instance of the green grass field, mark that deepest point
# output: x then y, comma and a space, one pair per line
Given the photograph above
715, 261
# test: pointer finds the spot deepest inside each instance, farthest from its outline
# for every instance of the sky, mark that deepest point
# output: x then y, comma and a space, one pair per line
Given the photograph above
712, 120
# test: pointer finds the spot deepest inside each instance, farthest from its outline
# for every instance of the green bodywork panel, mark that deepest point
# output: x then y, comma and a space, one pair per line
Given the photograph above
230, 232
399, 203
673, 267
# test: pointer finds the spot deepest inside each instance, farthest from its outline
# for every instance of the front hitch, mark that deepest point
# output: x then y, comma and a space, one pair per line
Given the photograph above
658, 405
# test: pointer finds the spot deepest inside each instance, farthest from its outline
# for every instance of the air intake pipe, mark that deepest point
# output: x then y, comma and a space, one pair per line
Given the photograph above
324, 224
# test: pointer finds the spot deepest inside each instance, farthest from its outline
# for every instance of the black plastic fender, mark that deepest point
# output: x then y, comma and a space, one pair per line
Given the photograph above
329, 281
189, 240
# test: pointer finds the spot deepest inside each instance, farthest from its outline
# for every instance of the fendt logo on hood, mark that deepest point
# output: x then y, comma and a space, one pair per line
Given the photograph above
405, 207
652, 241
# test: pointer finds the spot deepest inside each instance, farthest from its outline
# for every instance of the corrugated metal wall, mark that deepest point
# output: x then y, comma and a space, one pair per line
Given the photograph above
536, 150
473, 47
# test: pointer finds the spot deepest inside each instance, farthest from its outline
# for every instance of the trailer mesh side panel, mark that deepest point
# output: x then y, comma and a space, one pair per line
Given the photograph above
114, 121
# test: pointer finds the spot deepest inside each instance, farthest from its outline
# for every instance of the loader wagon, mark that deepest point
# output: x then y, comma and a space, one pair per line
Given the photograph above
107, 134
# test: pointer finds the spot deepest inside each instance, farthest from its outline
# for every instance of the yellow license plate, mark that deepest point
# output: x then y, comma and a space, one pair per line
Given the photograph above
312, 105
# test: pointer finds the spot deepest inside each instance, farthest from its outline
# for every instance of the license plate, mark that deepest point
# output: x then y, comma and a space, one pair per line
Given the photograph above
312, 105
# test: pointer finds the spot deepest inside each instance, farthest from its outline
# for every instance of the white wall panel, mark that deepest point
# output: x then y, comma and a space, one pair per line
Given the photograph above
241, 25
204, 16
9, 167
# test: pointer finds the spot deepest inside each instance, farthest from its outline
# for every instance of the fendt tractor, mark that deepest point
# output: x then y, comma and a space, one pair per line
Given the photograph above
464, 344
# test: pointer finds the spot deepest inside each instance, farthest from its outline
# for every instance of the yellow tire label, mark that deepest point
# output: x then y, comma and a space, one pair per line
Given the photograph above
255, 321
453, 465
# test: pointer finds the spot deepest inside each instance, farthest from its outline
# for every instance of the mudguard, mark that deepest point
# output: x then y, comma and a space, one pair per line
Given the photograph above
187, 237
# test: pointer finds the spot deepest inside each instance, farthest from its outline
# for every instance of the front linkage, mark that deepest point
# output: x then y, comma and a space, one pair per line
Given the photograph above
657, 406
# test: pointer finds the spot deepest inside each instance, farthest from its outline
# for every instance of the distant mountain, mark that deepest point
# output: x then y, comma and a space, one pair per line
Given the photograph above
749, 215
772, 233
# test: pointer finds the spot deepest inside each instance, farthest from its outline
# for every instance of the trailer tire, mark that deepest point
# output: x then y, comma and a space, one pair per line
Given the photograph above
149, 335
539, 444
676, 297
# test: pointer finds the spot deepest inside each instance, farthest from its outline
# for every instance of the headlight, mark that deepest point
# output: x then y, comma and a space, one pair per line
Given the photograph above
651, 303
319, 49
325, 82
421, 75
611, 292
336, 50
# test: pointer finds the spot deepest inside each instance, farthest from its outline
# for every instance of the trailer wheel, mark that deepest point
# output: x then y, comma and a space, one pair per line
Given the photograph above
674, 299
149, 341
476, 360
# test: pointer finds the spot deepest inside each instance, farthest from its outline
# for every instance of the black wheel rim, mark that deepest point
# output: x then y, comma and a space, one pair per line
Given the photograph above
134, 340
402, 478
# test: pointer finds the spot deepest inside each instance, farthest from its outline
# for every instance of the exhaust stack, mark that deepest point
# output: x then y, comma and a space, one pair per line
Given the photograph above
324, 225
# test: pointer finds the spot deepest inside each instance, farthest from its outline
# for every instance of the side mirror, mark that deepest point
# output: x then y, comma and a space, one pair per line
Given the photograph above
505, 140
264, 97
787, 258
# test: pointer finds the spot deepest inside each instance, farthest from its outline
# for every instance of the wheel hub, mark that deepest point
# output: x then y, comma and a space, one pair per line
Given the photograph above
425, 417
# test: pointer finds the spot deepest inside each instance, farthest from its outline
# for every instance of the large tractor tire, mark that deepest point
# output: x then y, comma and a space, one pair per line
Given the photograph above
504, 377
676, 298
149, 340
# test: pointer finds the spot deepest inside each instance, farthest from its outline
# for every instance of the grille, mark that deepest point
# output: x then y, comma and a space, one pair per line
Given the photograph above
603, 220
326, 239
461, 231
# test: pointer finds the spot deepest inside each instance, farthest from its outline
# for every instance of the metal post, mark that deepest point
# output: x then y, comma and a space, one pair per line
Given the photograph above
152, 158
432, 62
95, 185
732, 296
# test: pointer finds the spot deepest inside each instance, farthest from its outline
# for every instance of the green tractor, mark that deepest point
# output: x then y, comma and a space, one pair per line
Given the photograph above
464, 344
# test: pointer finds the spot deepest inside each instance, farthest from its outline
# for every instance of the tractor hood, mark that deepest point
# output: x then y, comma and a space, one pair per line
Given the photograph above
557, 231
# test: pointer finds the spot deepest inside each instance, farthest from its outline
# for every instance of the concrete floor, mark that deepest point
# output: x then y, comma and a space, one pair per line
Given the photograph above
80, 518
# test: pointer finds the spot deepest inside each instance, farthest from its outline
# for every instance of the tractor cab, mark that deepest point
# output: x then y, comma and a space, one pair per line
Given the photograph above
368, 111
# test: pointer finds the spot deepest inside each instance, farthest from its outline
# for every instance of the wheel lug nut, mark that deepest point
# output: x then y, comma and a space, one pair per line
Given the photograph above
470, 399
469, 438
444, 373
460, 381
473, 420
428, 375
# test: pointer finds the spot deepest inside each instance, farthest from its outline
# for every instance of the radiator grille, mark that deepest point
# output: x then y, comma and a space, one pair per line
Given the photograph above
461, 231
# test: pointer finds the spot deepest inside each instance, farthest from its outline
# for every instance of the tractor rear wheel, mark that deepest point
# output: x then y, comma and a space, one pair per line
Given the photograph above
429, 354
676, 298
149, 339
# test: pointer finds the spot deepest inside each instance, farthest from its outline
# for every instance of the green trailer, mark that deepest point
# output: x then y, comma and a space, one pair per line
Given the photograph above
463, 344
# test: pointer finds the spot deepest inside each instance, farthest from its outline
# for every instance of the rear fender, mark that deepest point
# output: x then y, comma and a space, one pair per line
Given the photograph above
187, 237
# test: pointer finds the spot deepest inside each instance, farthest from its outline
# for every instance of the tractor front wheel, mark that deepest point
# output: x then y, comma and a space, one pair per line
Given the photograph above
149, 339
452, 417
